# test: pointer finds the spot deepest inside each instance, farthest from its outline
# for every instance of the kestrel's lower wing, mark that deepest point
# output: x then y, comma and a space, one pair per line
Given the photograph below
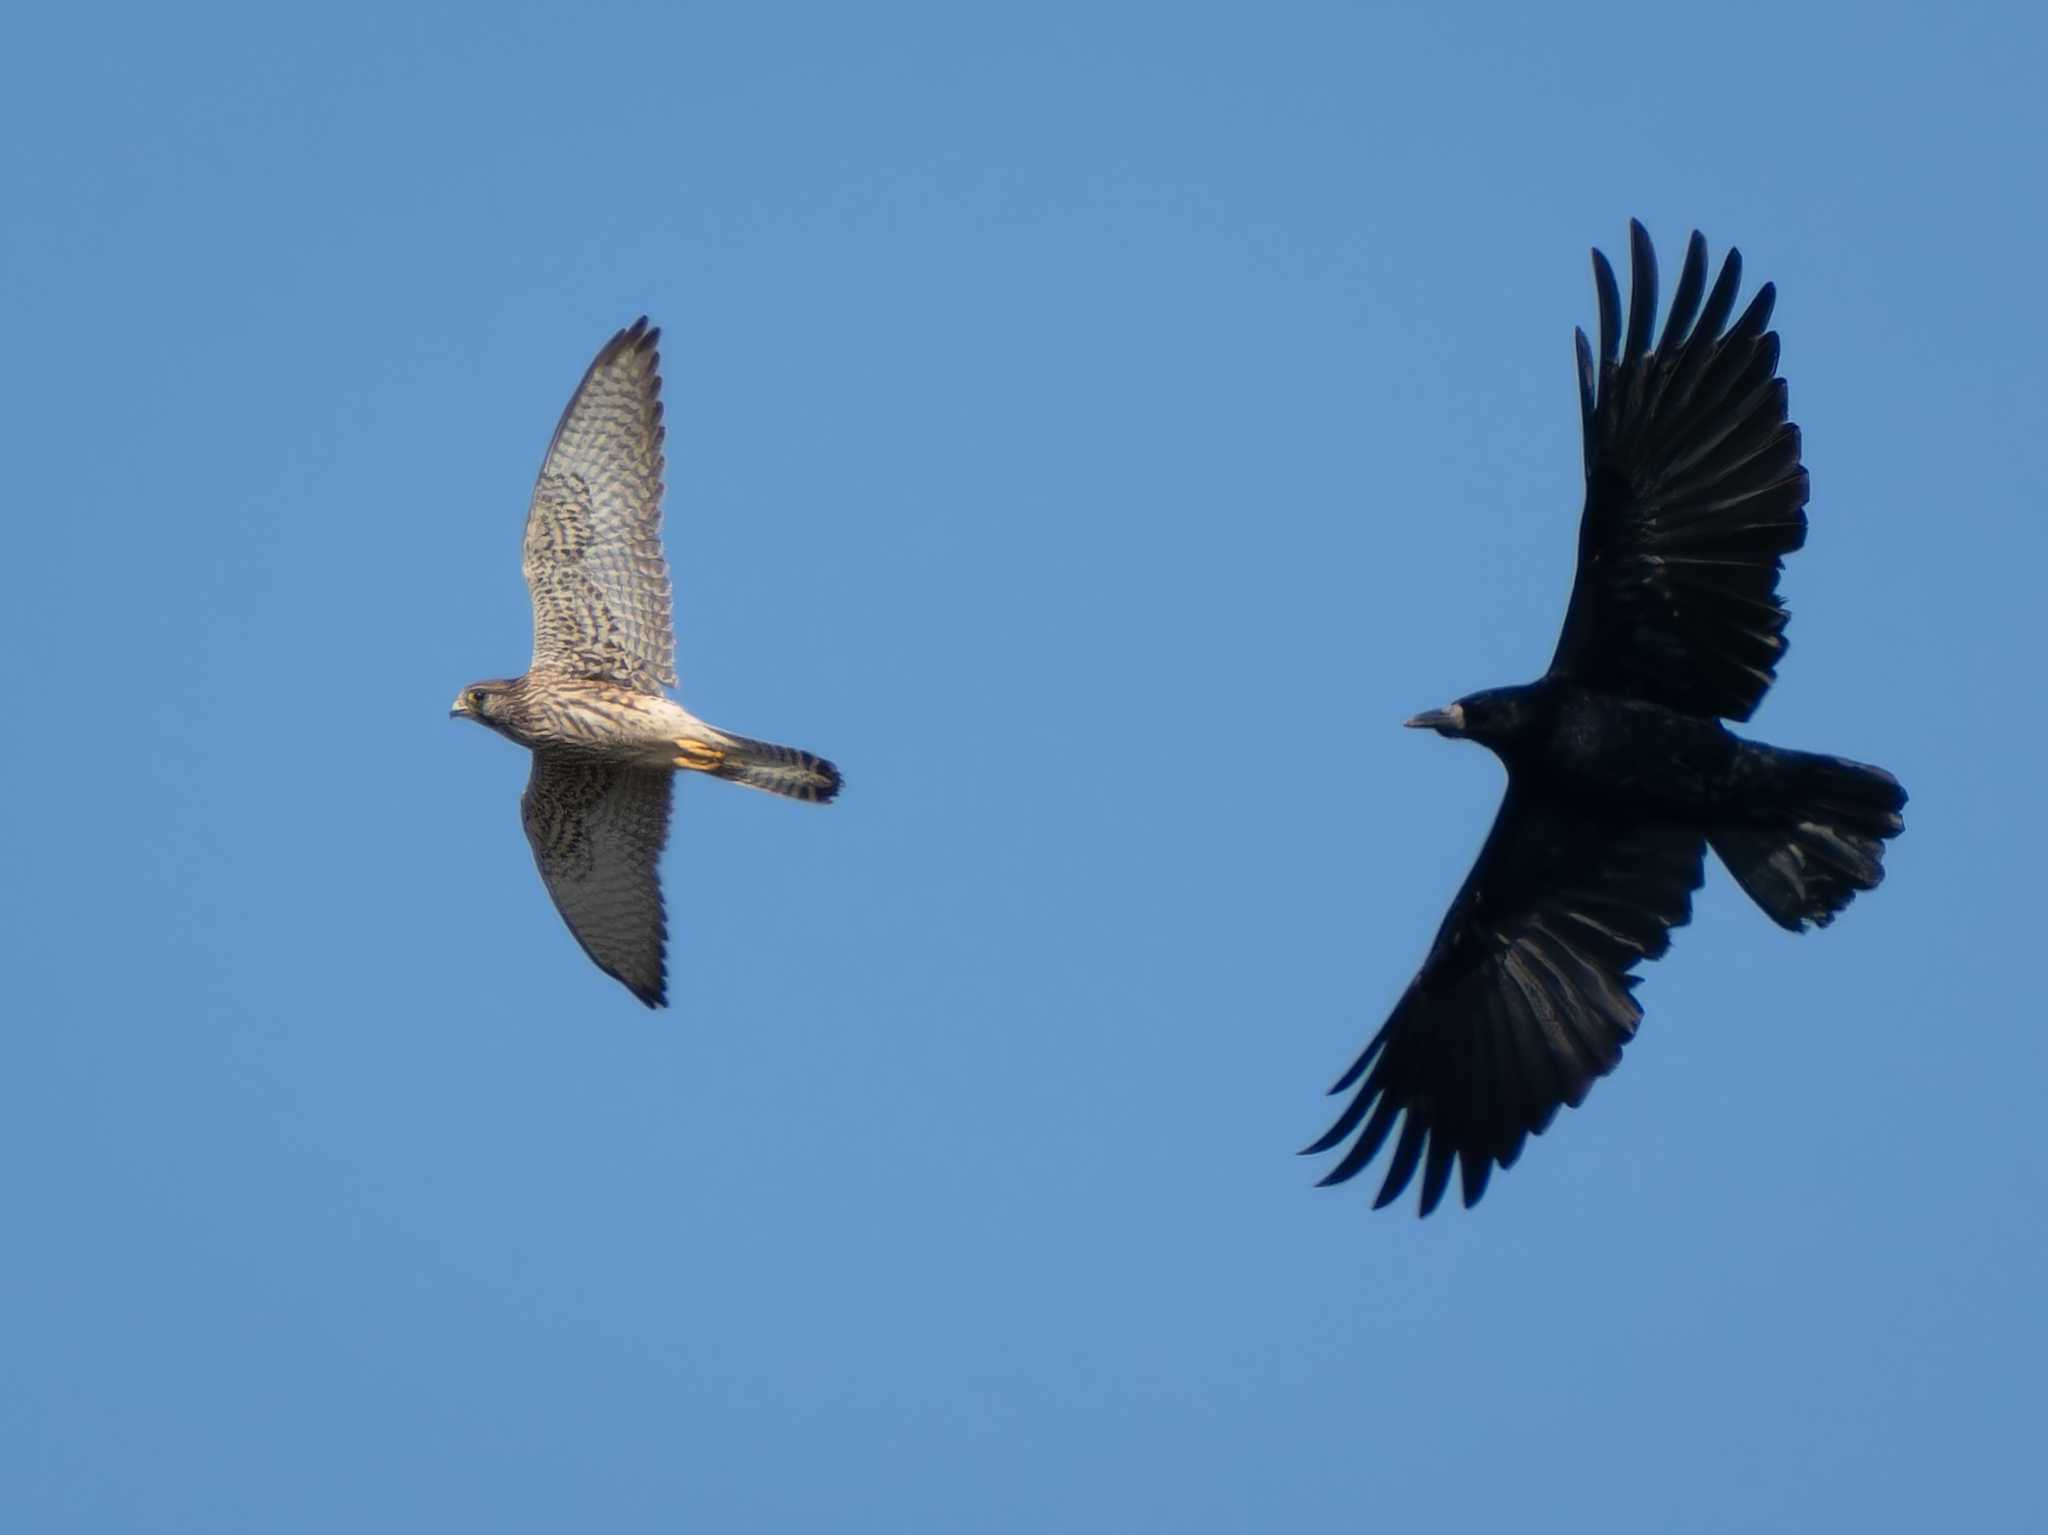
597, 830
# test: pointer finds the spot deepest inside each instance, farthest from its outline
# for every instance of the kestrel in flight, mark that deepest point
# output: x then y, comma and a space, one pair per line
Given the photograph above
605, 740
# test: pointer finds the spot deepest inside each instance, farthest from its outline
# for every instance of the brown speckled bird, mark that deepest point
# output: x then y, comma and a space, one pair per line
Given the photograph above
605, 740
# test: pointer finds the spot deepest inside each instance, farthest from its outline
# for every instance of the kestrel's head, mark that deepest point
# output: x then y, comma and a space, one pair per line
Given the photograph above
482, 702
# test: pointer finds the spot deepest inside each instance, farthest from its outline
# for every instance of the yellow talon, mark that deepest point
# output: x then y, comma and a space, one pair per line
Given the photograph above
698, 755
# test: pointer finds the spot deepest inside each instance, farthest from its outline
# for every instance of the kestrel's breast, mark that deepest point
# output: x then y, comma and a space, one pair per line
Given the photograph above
582, 715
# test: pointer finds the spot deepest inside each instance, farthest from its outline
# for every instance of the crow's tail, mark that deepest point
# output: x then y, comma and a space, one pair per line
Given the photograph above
1815, 837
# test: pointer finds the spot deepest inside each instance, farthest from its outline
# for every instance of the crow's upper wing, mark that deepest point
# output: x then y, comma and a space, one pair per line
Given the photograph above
1525, 997
1694, 492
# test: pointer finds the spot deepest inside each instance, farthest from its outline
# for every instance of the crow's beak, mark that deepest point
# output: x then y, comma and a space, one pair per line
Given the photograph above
1449, 721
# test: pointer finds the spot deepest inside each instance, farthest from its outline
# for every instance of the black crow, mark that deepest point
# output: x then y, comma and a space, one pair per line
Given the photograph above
1620, 772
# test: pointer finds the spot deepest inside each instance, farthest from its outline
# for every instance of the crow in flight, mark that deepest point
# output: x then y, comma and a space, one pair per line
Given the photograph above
1620, 772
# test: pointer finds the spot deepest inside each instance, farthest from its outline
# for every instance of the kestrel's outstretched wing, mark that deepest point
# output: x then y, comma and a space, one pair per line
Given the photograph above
1694, 494
597, 829
601, 602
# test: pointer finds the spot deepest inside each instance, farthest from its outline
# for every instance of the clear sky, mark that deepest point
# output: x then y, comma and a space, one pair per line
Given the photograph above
1095, 427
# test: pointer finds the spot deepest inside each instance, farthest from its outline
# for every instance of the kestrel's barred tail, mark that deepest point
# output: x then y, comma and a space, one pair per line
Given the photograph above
783, 770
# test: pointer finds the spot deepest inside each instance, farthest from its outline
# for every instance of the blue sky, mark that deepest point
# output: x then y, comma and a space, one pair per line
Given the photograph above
1096, 428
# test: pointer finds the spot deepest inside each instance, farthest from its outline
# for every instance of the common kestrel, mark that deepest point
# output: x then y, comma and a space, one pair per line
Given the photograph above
605, 740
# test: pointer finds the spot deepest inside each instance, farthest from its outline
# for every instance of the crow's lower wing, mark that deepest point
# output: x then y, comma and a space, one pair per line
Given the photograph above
1525, 998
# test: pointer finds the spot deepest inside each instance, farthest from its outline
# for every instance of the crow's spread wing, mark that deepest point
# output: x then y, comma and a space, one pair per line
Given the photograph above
1694, 492
1526, 995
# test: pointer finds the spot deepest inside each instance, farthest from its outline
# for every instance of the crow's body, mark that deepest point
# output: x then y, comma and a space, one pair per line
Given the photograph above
1620, 753
1620, 771
1634, 757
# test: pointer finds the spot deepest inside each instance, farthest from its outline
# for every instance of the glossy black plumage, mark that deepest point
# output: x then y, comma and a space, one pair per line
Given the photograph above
1620, 772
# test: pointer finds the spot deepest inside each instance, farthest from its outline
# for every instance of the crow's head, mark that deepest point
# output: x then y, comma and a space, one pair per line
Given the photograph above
1491, 718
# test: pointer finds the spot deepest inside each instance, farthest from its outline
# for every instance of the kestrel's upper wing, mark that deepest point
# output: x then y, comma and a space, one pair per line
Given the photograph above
1526, 995
601, 602
597, 830
1694, 490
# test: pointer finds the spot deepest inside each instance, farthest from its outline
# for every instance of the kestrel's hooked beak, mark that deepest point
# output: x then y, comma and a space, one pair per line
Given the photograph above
1450, 722
461, 705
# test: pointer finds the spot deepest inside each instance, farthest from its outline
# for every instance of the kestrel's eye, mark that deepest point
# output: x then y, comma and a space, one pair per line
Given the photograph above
476, 698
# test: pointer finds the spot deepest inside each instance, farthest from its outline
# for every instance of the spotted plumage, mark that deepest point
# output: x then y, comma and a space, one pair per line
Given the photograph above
606, 742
